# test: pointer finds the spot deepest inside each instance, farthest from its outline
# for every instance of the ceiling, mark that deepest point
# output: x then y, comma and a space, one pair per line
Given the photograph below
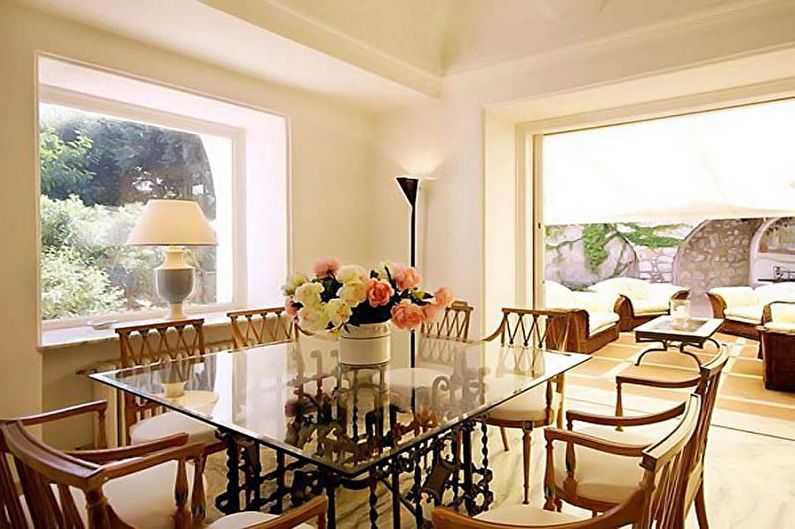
382, 53
447, 36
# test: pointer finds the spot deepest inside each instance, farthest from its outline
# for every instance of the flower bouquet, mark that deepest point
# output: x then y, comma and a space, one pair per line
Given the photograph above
360, 304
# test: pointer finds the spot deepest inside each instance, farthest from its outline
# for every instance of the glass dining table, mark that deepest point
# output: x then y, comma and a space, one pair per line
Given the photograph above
356, 426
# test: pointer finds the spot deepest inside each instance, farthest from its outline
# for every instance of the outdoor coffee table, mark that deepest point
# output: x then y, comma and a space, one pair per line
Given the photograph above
693, 332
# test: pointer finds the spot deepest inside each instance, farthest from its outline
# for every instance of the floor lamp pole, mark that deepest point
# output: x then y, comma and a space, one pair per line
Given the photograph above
410, 185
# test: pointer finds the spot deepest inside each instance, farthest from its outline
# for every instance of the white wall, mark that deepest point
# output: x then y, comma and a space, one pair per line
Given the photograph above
471, 231
330, 165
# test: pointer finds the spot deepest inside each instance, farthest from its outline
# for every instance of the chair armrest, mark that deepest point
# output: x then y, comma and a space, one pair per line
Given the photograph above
127, 452
98, 406
650, 382
594, 443
718, 305
314, 508
611, 420
671, 291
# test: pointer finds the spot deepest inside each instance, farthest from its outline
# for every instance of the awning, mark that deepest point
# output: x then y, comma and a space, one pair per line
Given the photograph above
734, 163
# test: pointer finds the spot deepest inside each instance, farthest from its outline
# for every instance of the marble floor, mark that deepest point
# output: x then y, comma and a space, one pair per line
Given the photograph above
749, 479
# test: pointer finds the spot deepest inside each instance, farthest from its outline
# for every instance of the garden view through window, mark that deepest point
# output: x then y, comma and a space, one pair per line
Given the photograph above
97, 172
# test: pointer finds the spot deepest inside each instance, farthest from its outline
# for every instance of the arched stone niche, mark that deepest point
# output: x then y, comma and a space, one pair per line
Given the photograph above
716, 253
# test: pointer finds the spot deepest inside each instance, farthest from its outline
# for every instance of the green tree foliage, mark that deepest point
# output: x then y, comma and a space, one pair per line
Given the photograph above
63, 164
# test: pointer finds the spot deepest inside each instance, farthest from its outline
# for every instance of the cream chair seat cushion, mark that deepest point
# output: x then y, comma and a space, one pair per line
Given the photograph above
144, 499
170, 423
525, 515
745, 314
650, 306
528, 406
781, 326
601, 476
246, 519
600, 321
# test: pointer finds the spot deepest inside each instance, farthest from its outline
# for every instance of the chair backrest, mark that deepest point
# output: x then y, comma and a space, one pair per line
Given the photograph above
261, 326
665, 465
166, 340
543, 329
453, 325
707, 389
44, 470
151, 343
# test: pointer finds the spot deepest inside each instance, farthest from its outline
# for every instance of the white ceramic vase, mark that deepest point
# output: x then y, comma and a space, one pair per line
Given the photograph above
365, 344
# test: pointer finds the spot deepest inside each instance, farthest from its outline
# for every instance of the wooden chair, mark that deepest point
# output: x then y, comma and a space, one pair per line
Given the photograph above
261, 326
453, 325
148, 483
663, 468
314, 509
145, 344
537, 407
599, 483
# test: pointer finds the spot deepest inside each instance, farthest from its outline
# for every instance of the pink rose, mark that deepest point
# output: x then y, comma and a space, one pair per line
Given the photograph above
431, 312
326, 267
379, 293
406, 277
407, 315
290, 308
443, 297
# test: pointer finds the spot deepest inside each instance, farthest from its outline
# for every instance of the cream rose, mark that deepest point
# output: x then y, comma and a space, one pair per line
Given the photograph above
353, 293
351, 273
338, 312
313, 318
293, 282
382, 268
308, 294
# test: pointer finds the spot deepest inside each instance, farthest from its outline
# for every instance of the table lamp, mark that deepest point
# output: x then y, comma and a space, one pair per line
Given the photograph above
173, 224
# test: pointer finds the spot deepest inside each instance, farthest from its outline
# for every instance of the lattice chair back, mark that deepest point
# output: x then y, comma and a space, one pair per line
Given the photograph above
542, 329
667, 466
261, 326
154, 342
453, 325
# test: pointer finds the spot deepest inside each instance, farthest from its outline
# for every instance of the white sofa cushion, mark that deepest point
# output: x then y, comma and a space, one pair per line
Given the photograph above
170, 423
525, 515
243, 520
599, 321
647, 298
601, 476
781, 326
650, 306
736, 296
775, 292
745, 314
557, 296
782, 313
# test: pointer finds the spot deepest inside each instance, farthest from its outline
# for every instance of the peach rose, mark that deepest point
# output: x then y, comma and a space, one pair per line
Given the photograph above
443, 297
379, 293
406, 277
407, 315
326, 267
431, 312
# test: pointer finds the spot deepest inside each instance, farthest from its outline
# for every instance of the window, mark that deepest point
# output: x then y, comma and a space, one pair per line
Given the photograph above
109, 143
97, 172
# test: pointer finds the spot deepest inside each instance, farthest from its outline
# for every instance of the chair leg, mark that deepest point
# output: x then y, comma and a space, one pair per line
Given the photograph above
701, 508
526, 460
504, 436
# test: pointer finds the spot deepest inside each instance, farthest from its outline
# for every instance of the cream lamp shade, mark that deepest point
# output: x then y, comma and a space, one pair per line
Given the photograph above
172, 223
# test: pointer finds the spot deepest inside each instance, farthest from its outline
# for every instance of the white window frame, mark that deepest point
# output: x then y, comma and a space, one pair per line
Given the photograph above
48, 94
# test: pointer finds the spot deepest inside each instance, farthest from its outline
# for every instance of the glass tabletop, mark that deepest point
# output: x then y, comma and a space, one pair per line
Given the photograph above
298, 398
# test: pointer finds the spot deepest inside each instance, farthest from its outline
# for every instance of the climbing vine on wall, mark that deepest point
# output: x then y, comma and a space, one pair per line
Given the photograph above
595, 239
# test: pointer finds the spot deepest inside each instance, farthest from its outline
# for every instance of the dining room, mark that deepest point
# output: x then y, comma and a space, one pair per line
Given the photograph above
286, 264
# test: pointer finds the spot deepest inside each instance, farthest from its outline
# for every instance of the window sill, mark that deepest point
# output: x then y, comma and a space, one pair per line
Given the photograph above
53, 339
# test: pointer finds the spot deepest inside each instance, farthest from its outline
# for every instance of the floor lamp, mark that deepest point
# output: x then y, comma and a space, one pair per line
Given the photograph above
410, 185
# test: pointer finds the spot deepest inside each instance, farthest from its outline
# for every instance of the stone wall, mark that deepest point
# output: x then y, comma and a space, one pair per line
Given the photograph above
716, 253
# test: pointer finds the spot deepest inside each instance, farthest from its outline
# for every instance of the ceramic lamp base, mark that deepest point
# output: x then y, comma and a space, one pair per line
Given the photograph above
174, 281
